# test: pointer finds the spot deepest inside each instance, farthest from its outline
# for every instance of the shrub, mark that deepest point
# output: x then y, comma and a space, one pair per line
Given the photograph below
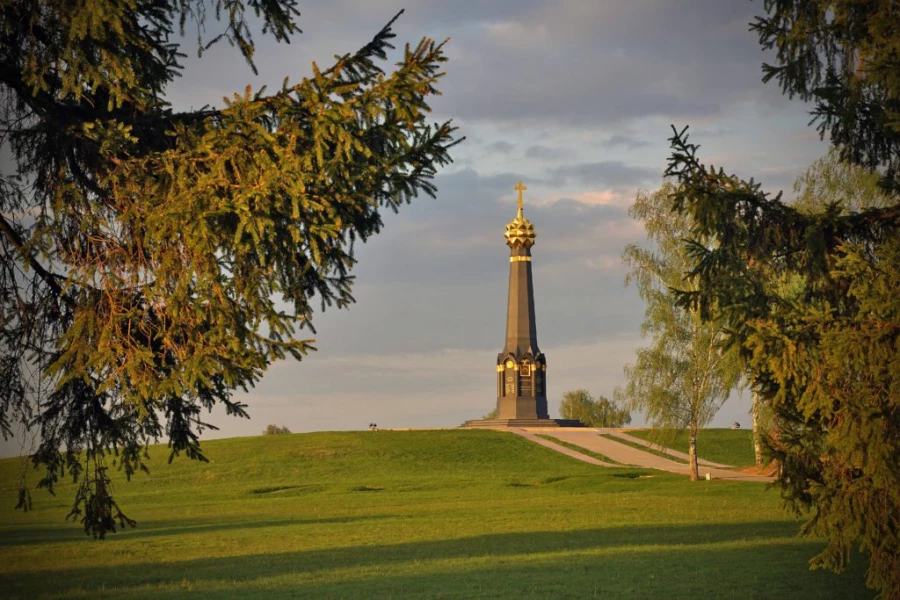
578, 404
275, 430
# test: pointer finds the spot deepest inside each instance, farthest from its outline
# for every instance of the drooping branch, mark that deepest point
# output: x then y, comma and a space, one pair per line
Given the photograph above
49, 278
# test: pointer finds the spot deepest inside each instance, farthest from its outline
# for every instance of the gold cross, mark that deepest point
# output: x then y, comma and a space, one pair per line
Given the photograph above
521, 188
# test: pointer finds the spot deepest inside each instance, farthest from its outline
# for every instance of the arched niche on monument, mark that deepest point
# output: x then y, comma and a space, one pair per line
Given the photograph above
509, 376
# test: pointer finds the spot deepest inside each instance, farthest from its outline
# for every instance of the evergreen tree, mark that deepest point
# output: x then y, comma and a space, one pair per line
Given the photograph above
827, 358
154, 261
829, 181
684, 376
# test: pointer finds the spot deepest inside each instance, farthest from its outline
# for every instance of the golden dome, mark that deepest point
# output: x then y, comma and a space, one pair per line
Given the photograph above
520, 231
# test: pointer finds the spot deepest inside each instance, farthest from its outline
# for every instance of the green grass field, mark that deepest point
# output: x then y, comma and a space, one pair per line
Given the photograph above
413, 514
727, 446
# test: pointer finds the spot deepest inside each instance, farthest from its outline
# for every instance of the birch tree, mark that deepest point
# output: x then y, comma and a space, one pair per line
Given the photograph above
682, 378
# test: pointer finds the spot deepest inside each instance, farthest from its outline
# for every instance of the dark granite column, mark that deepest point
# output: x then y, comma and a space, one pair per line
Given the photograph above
521, 367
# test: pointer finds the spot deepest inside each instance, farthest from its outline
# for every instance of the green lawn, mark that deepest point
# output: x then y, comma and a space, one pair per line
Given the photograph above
413, 514
726, 446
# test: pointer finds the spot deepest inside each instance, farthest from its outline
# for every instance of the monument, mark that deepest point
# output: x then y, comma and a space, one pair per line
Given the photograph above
521, 366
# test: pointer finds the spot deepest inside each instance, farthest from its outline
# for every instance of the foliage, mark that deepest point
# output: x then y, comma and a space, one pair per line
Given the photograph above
826, 357
841, 55
275, 430
581, 406
154, 261
682, 379
490, 415
832, 182
280, 519
828, 182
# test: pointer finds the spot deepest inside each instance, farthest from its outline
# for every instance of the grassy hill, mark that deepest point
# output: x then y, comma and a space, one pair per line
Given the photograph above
412, 514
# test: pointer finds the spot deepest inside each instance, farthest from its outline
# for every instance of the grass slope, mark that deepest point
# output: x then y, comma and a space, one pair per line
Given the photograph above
409, 515
727, 446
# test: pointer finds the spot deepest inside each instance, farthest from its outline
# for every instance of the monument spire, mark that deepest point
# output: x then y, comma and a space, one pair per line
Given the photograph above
521, 366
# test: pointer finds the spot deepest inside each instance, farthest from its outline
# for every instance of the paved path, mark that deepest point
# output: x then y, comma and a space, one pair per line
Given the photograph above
590, 439
636, 440
528, 435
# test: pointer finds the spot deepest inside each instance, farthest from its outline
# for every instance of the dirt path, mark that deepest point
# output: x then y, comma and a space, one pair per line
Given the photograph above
590, 439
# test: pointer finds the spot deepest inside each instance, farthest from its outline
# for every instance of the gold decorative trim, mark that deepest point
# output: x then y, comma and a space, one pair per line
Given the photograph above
499, 368
519, 259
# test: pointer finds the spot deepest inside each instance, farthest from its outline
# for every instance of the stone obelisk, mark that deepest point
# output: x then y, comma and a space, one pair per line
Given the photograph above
521, 366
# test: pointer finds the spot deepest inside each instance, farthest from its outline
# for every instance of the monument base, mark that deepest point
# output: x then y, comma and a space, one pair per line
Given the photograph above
493, 423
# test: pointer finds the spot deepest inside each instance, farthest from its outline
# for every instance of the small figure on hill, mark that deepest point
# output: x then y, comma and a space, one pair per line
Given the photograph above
736, 425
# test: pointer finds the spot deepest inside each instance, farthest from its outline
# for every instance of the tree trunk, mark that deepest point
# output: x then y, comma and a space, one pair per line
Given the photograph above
692, 454
757, 439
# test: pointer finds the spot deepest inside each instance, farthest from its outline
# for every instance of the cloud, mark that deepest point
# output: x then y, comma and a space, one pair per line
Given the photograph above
621, 141
557, 63
498, 181
518, 35
613, 173
542, 152
622, 198
500, 146
714, 132
575, 63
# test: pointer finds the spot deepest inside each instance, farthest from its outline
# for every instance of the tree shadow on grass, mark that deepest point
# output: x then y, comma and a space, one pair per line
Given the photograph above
648, 572
157, 528
643, 561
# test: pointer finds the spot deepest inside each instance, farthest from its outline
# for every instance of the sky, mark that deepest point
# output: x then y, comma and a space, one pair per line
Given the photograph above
575, 99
